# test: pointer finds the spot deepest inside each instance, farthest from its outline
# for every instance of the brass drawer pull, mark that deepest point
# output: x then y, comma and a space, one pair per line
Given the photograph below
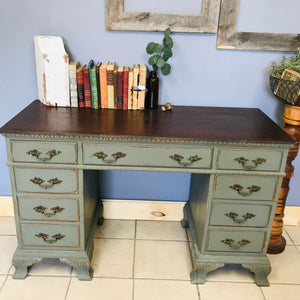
41, 209
236, 246
179, 158
252, 165
39, 181
37, 154
54, 237
243, 192
234, 217
116, 156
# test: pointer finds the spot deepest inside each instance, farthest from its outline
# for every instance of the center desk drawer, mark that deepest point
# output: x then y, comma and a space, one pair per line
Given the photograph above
258, 159
46, 180
48, 209
165, 156
45, 152
44, 235
245, 187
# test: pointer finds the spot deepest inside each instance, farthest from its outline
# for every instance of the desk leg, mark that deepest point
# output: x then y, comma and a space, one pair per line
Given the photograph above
21, 265
291, 117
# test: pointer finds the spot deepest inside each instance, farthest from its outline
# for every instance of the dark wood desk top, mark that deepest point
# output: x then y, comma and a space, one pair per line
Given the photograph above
218, 124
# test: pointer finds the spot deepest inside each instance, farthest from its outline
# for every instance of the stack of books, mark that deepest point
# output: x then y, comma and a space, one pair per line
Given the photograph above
107, 86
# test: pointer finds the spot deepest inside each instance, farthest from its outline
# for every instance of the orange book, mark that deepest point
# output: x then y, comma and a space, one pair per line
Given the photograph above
103, 85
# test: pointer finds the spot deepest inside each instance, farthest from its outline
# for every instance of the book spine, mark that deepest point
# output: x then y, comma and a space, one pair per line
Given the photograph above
73, 85
130, 92
103, 86
98, 84
80, 88
142, 85
125, 88
120, 76
110, 88
87, 87
94, 88
136, 69
115, 87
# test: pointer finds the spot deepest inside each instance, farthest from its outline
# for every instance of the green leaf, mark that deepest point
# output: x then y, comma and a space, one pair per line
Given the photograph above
160, 62
153, 60
158, 48
150, 48
165, 70
167, 31
168, 42
167, 53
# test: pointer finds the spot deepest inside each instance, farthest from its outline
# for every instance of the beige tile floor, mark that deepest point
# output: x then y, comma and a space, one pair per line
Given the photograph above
145, 260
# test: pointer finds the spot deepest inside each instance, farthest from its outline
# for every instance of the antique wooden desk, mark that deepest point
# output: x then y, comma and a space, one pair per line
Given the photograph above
236, 157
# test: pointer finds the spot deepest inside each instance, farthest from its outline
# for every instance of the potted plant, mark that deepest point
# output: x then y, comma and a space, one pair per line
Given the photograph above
285, 79
160, 53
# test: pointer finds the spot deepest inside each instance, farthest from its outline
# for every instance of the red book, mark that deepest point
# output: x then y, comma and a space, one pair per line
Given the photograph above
87, 87
125, 87
120, 74
80, 88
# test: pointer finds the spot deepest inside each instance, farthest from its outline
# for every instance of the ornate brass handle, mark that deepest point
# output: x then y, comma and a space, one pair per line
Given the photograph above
116, 156
236, 246
54, 237
39, 181
179, 158
41, 209
243, 192
234, 217
37, 154
252, 165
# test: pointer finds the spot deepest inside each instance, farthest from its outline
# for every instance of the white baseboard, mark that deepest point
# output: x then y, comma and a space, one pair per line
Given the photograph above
147, 210
123, 209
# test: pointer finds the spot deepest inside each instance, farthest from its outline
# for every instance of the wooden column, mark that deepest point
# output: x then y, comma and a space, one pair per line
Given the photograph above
291, 118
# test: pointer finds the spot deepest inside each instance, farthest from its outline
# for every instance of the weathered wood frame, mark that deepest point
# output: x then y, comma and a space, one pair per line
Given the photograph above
229, 38
206, 22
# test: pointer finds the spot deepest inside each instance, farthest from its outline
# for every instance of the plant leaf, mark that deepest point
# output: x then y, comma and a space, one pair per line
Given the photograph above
167, 53
157, 48
168, 42
160, 62
167, 31
165, 70
152, 60
150, 48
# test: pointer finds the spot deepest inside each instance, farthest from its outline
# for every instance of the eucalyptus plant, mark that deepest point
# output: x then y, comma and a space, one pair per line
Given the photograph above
161, 53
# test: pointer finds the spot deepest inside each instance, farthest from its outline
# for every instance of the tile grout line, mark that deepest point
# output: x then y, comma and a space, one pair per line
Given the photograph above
3, 283
68, 287
262, 292
133, 261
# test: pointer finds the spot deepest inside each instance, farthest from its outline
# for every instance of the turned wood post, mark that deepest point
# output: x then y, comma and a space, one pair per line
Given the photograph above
291, 118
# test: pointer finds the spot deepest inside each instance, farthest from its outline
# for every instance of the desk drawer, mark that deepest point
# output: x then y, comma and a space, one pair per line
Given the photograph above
231, 214
44, 152
46, 180
48, 209
42, 235
258, 160
177, 157
236, 241
245, 187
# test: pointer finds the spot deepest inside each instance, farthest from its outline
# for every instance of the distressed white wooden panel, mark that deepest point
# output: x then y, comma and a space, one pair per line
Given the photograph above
52, 63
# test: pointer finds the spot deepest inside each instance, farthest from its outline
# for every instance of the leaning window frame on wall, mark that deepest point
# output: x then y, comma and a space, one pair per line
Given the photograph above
230, 38
204, 22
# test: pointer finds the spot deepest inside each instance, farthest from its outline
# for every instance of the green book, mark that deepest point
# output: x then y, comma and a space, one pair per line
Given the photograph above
93, 81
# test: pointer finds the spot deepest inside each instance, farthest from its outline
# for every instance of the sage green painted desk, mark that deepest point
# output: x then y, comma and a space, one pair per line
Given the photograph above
236, 157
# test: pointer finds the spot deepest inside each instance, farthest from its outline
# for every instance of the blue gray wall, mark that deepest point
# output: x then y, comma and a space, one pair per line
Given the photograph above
201, 74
